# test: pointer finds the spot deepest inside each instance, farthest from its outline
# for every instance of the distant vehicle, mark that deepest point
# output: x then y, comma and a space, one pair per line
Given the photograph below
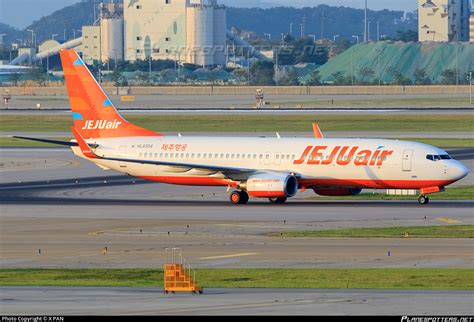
273, 168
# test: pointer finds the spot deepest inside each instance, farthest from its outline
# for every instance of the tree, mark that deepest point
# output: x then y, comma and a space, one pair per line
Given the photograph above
366, 74
38, 75
407, 36
14, 78
262, 73
421, 78
315, 78
400, 79
290, 79
241, 75
449, 77
339, 78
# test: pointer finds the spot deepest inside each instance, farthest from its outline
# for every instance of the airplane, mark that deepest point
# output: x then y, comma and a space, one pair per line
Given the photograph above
271, 168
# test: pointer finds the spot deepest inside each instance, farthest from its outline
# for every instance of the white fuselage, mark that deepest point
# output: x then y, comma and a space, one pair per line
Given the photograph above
363, 163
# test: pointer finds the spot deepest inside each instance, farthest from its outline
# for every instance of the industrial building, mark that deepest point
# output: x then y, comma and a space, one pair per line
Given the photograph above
443, 20
186, 31
191, 31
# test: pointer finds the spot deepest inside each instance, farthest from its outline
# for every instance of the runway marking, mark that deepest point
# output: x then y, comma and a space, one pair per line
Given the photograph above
449, 221
229, 256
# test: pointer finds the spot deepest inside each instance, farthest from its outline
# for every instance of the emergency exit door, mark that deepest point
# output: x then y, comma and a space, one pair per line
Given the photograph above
407, 160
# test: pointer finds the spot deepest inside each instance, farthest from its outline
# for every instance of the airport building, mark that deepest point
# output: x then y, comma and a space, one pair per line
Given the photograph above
443, 20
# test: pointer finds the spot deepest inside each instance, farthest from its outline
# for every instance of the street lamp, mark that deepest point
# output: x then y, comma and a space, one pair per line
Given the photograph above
357, 38
282, 39
291, 29
378, 65
335, 36
32, 35
302, 30
352, 67
470, 87
368, 31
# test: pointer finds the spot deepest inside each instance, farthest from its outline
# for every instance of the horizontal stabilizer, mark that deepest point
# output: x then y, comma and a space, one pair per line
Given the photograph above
66, 143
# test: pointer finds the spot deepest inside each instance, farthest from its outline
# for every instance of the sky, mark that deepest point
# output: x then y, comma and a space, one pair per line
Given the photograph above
20, 13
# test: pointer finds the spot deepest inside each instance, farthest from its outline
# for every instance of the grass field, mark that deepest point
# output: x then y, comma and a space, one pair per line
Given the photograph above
454, 231
379, 102
387, 278
258, 123
443, 143
451, 193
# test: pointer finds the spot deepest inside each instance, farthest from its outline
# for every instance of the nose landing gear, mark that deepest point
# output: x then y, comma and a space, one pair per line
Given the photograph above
239, 197
423, 200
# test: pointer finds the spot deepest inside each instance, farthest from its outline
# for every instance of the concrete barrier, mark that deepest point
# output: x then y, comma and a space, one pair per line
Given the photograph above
246, 90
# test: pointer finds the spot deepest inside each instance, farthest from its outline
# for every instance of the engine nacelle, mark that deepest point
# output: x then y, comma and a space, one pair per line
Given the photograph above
338, 192
271, 185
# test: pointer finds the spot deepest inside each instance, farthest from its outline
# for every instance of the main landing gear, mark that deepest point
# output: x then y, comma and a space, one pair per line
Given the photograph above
239, 197
423, 200
278, 200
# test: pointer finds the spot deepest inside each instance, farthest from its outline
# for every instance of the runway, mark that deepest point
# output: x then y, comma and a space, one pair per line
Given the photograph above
148, 301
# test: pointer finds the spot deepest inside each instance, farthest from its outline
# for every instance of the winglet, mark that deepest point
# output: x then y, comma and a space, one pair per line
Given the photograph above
317, 132
85, 148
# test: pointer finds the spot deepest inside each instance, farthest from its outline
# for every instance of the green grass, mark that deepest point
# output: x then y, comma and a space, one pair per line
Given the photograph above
452, 231
387, 278
443, 143
258, 123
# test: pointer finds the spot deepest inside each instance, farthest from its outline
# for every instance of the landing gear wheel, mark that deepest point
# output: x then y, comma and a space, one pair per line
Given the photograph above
423, 200
278, 200
239, 197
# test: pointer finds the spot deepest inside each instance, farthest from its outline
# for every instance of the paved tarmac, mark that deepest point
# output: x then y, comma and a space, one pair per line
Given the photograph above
211, 102
290, 302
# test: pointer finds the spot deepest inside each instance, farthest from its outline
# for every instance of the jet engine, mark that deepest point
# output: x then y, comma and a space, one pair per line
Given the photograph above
271, 185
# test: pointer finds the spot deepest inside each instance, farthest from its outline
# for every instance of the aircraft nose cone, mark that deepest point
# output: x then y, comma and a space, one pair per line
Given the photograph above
459, 171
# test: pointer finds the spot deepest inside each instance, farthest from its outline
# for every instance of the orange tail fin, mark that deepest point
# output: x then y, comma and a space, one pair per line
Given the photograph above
94, 114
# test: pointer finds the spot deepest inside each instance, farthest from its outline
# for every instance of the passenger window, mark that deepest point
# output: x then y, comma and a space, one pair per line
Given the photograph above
199, 155
140, 155
238, 156
204, 156
187, 155
161, 155
233, 156
255, 156
192, 156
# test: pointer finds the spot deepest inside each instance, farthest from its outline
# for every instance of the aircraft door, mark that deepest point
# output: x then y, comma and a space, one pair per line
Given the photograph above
407, 160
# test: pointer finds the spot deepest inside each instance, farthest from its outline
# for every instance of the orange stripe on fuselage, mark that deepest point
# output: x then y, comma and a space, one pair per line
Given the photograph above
360, 183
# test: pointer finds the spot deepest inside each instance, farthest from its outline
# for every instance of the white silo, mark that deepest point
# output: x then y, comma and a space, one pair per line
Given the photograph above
220, 37
200, 34
111, 30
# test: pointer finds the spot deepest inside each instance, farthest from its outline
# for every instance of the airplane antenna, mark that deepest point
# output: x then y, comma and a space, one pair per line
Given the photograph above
179, 135
278, 135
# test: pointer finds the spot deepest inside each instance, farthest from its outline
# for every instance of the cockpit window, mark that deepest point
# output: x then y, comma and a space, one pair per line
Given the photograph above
434, 157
